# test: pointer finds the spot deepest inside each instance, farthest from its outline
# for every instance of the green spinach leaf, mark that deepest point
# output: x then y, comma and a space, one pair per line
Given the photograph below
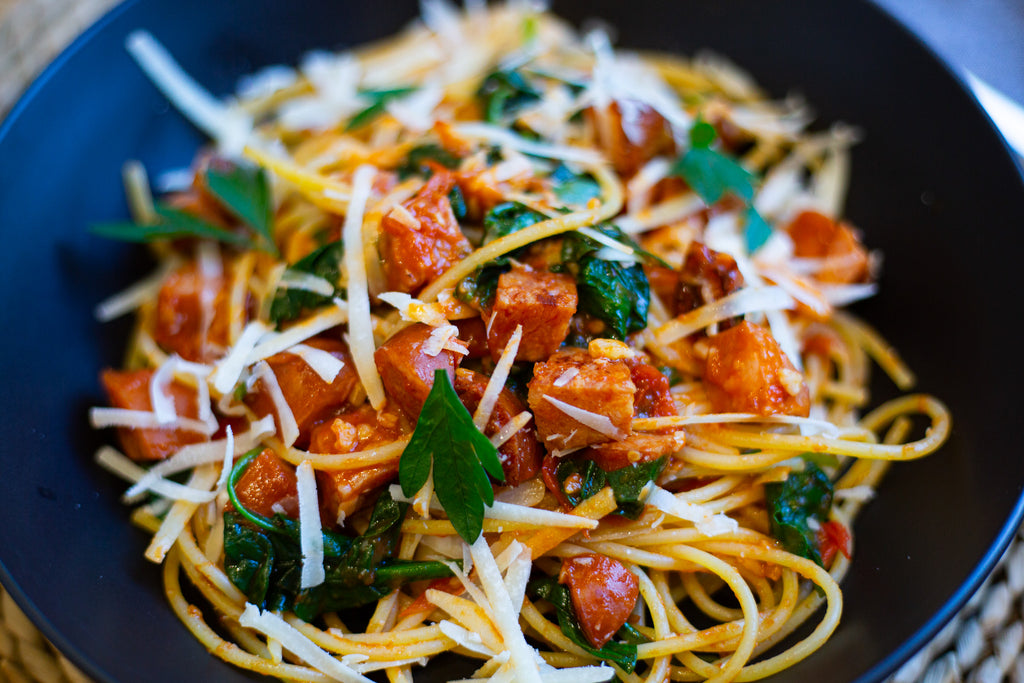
504, 92
580, 479
792, 504
324, 262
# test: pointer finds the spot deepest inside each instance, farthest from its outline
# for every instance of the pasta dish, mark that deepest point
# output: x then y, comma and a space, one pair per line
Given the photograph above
496, 339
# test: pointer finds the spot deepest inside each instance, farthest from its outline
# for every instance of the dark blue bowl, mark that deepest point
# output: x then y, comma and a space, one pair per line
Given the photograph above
933, 187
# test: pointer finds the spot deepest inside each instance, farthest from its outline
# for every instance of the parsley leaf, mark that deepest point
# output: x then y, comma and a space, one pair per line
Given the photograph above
712, 175
245, 191
446, 441
241, 189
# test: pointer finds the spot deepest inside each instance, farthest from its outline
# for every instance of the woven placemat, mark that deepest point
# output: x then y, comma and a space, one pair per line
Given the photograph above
982, 644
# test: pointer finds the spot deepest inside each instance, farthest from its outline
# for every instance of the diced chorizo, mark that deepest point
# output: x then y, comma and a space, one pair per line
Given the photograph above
521, 455
817, 236
130, 389
707, 275
473, 333
310, 398
543, 303
357, 430
407, 370
747, 372
268, 486
342, 492
192, 315
631, 133
603, 594
599, 386
421, 239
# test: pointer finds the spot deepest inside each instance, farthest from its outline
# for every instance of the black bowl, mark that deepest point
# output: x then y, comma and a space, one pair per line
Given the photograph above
932, 186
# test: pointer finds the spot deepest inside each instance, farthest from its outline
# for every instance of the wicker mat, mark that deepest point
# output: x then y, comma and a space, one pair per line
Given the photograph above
982, 644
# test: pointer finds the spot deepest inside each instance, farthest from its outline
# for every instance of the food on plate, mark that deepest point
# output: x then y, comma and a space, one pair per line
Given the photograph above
496, 339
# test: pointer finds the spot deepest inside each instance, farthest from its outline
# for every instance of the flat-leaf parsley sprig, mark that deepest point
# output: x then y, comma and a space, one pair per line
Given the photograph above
447, 442
242, 190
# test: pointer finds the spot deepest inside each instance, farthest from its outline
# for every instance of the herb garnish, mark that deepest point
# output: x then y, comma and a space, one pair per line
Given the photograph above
712, 175
504, 92
447, 442
241, 189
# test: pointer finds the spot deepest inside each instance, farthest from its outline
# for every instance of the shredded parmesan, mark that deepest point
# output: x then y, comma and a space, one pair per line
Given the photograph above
566, 377
360, 324
311, 537
706, 521
294, 641
285, 416
522, 656
482, 414
134, 296
296, 334
229, 369
324, 364
230, 127
307, 282
740, 302
601, 424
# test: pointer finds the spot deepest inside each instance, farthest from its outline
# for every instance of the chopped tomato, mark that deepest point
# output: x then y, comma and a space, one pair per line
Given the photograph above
832, 537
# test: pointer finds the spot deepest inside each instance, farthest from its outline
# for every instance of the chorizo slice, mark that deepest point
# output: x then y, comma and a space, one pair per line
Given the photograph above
603, 594
268, 486
407, 370
310, 398
747, 372
601, 387
130, 389
542, 302
420, 239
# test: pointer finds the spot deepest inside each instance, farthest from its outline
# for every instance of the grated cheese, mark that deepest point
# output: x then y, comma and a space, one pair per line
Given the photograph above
511, 428
230, 127
276, 342
135, 295
442, 338
601, 424
706, 521
273, 626
464, 637
522, 657
740, 302
482, 414
566, 377
506, 138
307, 282
360, 324
229, 369
202, 453
100, 418
311, 538
118, 463
285, 416
324, 364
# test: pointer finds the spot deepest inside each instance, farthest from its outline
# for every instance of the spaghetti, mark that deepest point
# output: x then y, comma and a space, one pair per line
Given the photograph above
493, 339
